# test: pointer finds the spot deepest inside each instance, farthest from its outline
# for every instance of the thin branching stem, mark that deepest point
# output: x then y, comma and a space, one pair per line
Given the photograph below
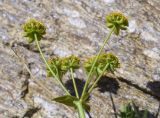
89, 75
38, 46
74, 83
98, 78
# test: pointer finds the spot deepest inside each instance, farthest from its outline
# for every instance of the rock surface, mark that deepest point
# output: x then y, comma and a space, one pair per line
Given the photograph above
78, 27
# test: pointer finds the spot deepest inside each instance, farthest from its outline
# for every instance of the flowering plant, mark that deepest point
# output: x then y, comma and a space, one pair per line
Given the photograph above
97, 65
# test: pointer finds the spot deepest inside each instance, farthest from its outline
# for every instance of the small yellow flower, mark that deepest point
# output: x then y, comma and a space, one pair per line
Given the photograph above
32, 27
118, 21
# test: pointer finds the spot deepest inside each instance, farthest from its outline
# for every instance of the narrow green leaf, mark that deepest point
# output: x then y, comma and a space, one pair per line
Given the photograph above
67, 100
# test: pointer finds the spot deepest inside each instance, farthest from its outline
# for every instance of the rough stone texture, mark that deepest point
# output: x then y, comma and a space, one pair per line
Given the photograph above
78, 27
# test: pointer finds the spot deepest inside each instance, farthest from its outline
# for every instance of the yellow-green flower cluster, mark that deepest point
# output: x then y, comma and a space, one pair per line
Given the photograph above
113, 62
61, 65
55, 64
103, 60
70, 62
117, 21
33, 27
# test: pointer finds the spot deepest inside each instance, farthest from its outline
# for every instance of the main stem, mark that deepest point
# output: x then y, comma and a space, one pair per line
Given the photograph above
38, 46
74, 83
89, 75
80, 109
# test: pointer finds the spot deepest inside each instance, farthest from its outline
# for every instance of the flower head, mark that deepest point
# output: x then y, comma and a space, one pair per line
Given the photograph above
55, 64
118, 21
113, 62
33, 27
103, 60
61, 65
70, 62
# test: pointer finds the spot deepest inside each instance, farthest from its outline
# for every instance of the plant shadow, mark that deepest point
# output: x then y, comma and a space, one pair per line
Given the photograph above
79, 83
111, 85
108, 84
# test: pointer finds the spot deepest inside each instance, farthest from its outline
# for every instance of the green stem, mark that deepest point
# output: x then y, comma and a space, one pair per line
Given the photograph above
38, 46
99, 77
74, 83
90, 72
81, 111
57, 72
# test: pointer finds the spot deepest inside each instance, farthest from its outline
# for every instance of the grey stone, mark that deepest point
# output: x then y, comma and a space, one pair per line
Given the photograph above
78, 27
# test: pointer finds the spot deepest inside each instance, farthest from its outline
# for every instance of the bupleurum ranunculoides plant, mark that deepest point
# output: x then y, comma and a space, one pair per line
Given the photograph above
97, 66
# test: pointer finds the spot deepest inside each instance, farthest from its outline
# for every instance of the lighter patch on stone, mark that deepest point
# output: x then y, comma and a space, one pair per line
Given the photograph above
148, 36
71, 13
152, 53
148, 32
156, 74
156, 77
62, 52
36, 14
109, 1
48, 108
132, 26
77, 22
